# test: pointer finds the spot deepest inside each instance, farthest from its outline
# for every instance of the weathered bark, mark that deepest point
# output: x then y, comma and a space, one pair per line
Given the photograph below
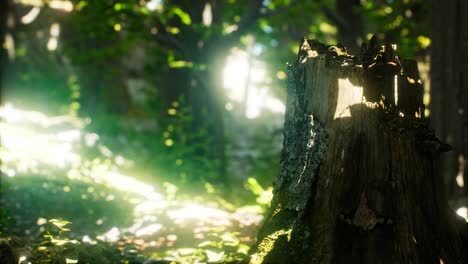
357, 181
449, 83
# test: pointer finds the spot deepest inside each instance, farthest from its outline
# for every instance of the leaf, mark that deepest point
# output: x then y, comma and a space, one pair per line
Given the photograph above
254, 186
60, 224
184, 17
214, 256
206, 243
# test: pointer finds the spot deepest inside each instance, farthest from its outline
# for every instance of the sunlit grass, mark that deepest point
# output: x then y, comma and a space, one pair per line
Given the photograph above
52, 151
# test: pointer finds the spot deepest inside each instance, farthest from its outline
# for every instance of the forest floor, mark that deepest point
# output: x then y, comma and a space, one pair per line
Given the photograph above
59, 203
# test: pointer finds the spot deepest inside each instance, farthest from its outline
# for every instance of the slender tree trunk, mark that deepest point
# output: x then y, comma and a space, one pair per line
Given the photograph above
5, 6
7, 255
202, 92
357, 181
351, 28
449, 85
5, 9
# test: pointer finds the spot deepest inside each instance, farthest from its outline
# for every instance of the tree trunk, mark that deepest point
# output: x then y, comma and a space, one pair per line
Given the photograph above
350, 30
7, 255
449, 83
5, 6
5, 9
357, 181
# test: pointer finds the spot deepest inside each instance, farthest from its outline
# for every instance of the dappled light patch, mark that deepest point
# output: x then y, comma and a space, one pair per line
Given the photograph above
60, 171
348, 95
267, 244
463, 212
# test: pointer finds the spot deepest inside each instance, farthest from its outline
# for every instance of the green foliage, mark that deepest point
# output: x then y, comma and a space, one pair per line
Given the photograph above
57, 248
402, 22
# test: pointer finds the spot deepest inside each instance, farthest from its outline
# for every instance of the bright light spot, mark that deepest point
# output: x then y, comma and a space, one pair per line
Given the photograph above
281, 75
41, 221
69, 136
178, 162
173, 30
408, 13
197, 212
110, 197
154, 5
257, 49
70, 261
99, 222
275, 105
207, 15
31, 15
230, 29
119, 160
460, 180
169, 142
237, 79
424, 41
150, 206
171, 237
461, 168
17, 142
327, 28
148, 230
348, 95
229, 106
10, 172
9, 45
22, 258
87, 239
105, 151
463, 212
268, 29
52, 44
10, 114
214, 256
66, 189
66, 6
395, 86
111, 235
255, 99
235, 74
172, 111
117, 27
54, 30
90, 139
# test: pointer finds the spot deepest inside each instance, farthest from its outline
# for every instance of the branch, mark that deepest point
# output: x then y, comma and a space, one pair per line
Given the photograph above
336, 19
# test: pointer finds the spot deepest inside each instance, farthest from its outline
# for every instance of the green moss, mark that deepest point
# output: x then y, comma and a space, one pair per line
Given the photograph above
267, 244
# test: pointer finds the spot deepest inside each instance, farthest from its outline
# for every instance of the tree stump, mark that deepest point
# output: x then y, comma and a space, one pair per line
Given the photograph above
357, 181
